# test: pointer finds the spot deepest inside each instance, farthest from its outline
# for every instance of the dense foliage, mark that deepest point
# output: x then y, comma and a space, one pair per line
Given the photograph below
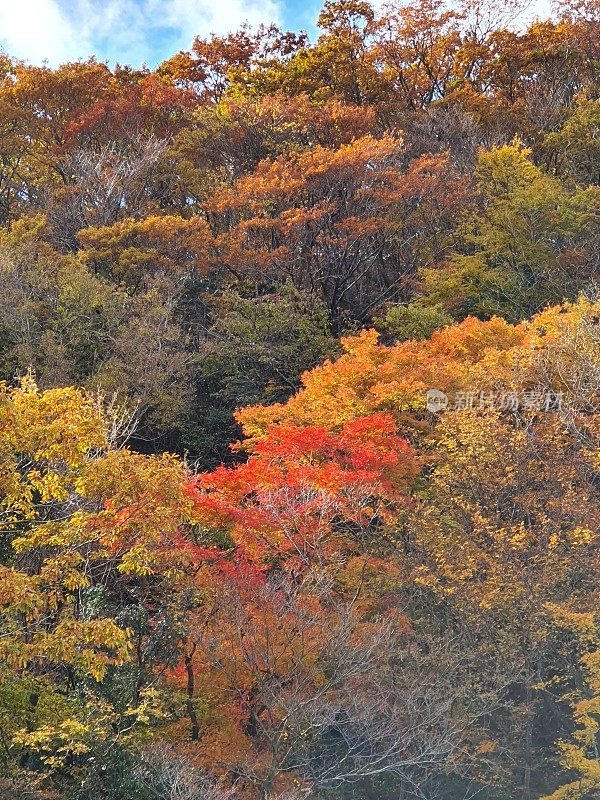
241, 556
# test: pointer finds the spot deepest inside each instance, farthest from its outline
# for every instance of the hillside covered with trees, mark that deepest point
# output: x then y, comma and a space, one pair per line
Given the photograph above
246, 552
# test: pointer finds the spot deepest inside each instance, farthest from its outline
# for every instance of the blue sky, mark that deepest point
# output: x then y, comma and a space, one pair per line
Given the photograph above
139, 31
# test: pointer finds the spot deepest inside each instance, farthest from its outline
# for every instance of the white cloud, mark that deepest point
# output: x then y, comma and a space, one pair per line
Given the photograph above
130, 31
208, 16
39, 29
537, 9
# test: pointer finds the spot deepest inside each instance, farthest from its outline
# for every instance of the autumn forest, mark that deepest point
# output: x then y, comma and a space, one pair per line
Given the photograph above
299, 414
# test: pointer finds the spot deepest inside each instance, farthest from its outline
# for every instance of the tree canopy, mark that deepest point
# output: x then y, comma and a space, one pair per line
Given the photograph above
299, 414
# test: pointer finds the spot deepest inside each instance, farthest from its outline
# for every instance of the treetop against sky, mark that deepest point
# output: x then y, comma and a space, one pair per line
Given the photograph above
146, 31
